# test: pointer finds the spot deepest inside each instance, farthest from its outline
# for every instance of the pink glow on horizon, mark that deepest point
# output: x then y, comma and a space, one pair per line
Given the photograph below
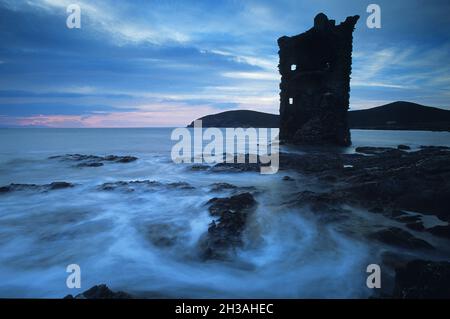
147, 116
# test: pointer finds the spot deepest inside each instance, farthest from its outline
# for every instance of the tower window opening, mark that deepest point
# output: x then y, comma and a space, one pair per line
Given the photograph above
291, 100
293, 67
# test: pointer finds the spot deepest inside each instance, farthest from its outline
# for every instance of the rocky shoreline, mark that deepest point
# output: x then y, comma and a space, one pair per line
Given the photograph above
400, 184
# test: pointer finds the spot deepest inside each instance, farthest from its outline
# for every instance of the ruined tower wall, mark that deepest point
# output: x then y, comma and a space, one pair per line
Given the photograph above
315, 69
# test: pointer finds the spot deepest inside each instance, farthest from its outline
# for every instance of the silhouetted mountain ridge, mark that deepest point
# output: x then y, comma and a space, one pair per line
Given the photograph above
398, 115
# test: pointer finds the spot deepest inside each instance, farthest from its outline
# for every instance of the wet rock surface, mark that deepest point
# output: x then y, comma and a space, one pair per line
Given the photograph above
225, 234
100, 292
93, 160
399, 237
420, 279
144, 185
35, 187
417, 181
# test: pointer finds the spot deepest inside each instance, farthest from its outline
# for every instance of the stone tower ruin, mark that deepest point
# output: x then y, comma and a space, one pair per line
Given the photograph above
315, 69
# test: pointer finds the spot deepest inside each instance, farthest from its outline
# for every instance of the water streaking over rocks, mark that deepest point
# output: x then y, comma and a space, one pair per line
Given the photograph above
148, 227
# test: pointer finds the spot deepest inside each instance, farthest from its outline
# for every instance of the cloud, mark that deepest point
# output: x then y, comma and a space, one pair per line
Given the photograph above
189, 58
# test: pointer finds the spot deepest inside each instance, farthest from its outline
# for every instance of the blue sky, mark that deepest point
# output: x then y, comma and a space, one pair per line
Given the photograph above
164, 63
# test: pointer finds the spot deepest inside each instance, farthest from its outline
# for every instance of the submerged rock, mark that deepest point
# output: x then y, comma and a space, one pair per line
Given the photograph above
94, 160
403, 147
218, 187
35, 187
421, 279
146, 185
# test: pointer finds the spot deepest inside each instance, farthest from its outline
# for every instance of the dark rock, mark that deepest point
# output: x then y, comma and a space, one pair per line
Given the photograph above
101, 292
93, 160
217, 187
288, 178
315, 72
408, 218
34, 187
120, 159
440, 231
199, 167
90, 164
60, 185
163, 235
417, 181
180, 185
129, 186
378, 150
417, 226
225, 234
398, 237
145, 185
219, 206
421, 279
403, 147
433, 147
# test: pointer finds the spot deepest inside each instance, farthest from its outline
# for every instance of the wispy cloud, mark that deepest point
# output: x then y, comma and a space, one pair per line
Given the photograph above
159, 63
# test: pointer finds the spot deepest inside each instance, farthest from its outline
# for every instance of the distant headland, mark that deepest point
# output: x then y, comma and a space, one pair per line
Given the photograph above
398, 115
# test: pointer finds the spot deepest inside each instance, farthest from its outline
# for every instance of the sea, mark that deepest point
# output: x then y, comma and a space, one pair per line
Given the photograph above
146, 242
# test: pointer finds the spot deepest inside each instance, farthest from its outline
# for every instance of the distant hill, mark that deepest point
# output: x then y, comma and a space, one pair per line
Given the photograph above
241, 118
401, 116
393, 116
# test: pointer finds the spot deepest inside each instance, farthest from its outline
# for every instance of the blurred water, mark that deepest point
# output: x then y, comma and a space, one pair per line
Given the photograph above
290, 253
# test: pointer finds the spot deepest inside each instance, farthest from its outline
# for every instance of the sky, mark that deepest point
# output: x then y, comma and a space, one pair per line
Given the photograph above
164, 63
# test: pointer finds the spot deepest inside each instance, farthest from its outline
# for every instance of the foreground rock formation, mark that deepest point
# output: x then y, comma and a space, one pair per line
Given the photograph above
397, 183
100, 292
225, 233
420, 279
315, 69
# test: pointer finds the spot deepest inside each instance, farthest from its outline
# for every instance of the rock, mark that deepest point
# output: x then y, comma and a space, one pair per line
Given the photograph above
319, 202
440, 231
315, 69
120, 159
421, 279
433, 147
199, 167
417, 226
34, 187
145, 185
100, 292
219, 206
93, 160
218, 187
180, 185
377, 150
398, 237
403, 147
408, 218
162, 235
225, 234
60, 185
90, 164
417, 181
129, 186
288, 178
